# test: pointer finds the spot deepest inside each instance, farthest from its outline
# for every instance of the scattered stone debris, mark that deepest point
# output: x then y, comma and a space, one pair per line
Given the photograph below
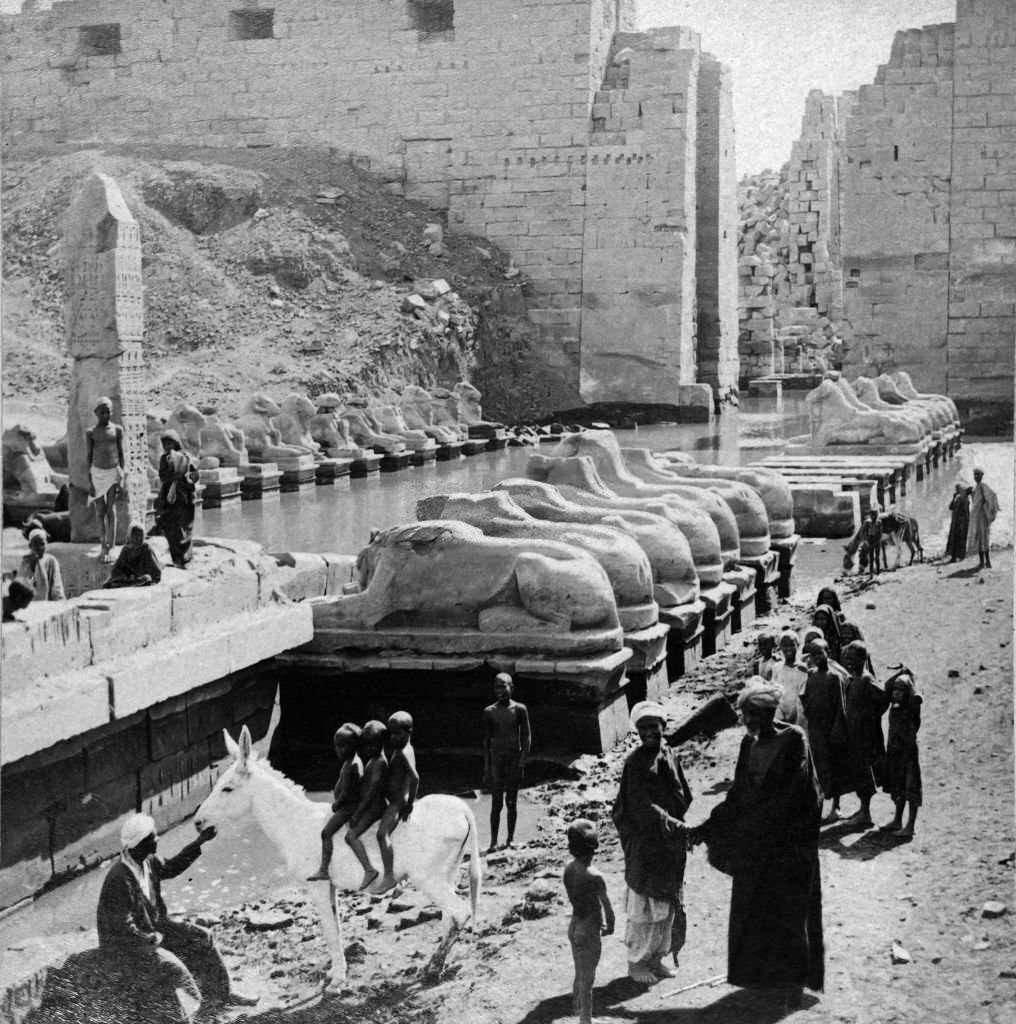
267, 920
900, 955
993, 908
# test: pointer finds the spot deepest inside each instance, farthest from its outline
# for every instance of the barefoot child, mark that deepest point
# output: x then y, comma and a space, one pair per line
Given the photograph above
767, 659
105, 473
403, 782
372, 799
507, 739
346, 796
902, 763
592, 914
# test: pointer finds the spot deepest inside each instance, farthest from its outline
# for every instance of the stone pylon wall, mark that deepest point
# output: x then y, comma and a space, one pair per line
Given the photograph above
478, 108
716, 214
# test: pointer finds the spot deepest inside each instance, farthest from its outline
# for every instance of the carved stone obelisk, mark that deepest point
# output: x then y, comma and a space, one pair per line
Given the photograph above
104, 320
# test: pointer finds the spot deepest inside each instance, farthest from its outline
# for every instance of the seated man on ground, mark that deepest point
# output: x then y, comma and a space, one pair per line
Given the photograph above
137, 565
172, 959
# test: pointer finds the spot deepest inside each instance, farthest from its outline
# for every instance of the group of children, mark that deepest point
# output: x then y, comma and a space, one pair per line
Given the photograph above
834, 657
374, 785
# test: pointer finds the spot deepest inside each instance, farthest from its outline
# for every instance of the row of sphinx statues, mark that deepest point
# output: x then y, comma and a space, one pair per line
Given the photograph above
326, 426
885, 410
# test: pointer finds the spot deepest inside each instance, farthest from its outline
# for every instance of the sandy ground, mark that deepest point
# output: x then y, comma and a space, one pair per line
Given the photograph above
954, 628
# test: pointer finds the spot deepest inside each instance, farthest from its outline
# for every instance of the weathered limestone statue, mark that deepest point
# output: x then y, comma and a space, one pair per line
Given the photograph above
888, 391
389, 418
28, 480
293, 424
187, 421
835, 420
444, 586
624, 562
56, 453
769, 485
445, 411
264, 442
602, 447
222, 441
417, 411
366, 431
471, 413
744, 501
674, 578
104, 323
330, 431
578, 481
867, 392
906, 388
855, 402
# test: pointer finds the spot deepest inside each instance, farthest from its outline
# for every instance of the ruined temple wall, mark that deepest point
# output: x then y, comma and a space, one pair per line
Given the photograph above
716, 214
896, 231
638, 263
982, 264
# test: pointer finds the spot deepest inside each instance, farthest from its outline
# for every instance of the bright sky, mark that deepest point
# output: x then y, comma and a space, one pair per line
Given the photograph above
778, 50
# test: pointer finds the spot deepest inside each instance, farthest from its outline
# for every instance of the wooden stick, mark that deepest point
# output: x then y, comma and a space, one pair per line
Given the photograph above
695, 984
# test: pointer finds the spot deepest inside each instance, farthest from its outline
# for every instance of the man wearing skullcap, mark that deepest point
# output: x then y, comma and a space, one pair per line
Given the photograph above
824, 702
765, 835
139, 939
649, 815
105, 473
174, 507
865, 703
983, 509
137, 564
41, 570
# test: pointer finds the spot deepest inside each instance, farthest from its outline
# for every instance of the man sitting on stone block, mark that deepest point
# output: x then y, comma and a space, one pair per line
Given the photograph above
41, 570
137, 565
173, 960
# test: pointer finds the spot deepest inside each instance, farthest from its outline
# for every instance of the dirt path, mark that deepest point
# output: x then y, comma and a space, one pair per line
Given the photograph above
926, 895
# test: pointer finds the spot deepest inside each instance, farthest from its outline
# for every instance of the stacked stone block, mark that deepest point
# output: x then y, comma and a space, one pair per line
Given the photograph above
481, 109
716, 215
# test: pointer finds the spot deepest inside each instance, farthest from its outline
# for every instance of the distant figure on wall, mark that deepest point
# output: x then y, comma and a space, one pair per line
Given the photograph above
983, 509
959, 523
105, 473
174, 508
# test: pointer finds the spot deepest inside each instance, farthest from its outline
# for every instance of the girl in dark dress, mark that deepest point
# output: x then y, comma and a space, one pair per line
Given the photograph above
959, 524
902, 761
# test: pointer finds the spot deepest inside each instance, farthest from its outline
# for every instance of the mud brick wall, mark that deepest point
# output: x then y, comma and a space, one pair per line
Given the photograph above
982, 261
716, 214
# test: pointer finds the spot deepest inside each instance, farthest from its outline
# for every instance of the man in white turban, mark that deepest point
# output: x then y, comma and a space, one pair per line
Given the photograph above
648, 812
41, 570
983, 510
173, 960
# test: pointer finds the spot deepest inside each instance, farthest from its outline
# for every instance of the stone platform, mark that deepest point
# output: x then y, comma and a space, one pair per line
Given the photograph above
474, 446
364, 465
576, 705
392, 462
716, 620
684, 641
742, 579
297, 472
767, 576
219, 486
421, 456
328, 471
259, 479
647, 670
449, 451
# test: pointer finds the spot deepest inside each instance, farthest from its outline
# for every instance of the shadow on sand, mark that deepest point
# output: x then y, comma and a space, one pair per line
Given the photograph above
742, 1006
869, 846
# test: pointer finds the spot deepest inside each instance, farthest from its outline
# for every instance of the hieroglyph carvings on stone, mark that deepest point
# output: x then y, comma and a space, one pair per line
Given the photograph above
104, 319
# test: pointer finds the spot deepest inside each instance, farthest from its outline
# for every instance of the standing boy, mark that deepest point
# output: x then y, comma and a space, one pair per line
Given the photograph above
507, 739
372, 800
403, 782
105, 473
592, 914
346, 795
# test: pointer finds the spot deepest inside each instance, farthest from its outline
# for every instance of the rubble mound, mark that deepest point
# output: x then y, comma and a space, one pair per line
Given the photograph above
276, 270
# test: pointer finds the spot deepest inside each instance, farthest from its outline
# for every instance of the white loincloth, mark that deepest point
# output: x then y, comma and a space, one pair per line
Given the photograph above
103, 480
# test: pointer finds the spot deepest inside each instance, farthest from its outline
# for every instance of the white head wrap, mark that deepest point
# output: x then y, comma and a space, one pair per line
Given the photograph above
136, 828
760, 694
37, 533
647, 709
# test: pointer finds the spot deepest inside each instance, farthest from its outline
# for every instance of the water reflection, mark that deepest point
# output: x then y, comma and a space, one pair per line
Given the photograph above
340, 518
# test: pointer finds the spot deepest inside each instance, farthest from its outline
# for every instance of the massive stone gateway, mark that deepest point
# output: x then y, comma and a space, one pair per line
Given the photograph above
601, 158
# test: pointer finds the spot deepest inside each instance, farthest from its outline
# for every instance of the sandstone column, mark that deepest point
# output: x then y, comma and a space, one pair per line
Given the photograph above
104, 322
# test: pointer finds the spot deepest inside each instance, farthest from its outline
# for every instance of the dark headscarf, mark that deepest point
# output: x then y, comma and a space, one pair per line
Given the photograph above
173, 437
828, 596
831, 630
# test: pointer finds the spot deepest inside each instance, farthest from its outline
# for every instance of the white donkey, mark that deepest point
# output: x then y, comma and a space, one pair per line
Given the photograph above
428, 848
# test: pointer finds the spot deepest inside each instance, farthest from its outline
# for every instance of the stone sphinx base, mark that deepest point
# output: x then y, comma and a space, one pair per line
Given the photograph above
421, 456
327, 471
219, 486
742, 579
684, 641
259, 479
716, 621
392, 462
786, 550
473, 446
576, 705
767, 577
300, 471
647, 670
448, 451
365, 464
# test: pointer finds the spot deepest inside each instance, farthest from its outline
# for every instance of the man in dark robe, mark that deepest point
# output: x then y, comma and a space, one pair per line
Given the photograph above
648, 812
765, 835
175, 961
175, 505
865, 703
959, 523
